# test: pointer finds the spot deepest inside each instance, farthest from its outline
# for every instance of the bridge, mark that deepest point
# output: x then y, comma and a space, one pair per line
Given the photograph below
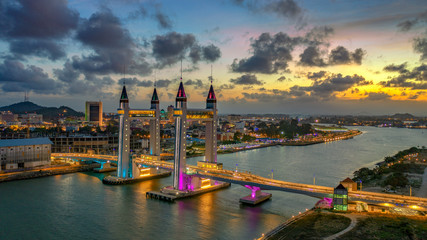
247, 179
188, 179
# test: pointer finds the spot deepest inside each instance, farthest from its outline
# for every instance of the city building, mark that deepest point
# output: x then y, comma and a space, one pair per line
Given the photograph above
24, 153
340, 200
92, 144
31, 118
8, 117
349, 184
93, 113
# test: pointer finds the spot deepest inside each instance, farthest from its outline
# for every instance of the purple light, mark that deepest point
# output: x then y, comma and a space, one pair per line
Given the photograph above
253, 189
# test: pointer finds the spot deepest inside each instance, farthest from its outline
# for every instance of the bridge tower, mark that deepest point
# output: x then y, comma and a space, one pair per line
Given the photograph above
180, 114
123, 164
155, 126
211, 129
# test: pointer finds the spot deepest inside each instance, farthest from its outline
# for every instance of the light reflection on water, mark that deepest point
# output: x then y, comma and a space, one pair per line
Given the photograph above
79, 206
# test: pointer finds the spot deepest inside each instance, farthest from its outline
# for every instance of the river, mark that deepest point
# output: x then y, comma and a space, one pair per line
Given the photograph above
79, 206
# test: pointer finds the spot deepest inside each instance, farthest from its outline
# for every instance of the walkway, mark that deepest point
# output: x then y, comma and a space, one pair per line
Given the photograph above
353, 223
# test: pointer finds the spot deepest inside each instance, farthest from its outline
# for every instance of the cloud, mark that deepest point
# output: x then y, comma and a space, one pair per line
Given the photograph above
246, 79
330, 84
396, 68
198, 84
34, 28
283, 79
270, 54
39, 20
170, 48
114, 49
67, 74
414, 79
135, 82
141, 11
311, 57
316, 75
41, 48
164, 83
288, 9
377, 96
318, 35
15, 77
284, 8
340, 55
163, 20
420, 46
211, 53
222, 87
406, 25
325, 88
75, 83
409, 24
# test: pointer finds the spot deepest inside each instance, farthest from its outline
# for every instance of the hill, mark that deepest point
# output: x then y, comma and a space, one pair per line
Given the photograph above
48, 113
21, 107
403, 116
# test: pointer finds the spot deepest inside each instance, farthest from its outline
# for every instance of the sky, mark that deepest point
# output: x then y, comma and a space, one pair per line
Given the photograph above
270, 56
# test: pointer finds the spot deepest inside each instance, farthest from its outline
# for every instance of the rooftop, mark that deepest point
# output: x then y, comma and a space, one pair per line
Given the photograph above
24, 142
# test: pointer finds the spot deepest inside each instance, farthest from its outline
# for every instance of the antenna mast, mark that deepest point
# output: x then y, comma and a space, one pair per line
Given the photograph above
211, 75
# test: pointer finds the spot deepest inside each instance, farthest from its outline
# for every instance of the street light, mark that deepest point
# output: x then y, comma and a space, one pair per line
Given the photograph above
272, 173
360, 185
236, 167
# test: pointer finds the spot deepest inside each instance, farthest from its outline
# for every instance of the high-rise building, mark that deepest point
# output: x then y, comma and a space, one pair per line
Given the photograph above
93, 112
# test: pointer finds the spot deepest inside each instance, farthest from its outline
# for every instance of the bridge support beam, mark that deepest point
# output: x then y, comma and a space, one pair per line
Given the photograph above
256, 196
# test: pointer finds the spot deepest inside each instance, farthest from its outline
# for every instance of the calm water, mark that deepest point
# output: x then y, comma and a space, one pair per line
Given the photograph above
79, 206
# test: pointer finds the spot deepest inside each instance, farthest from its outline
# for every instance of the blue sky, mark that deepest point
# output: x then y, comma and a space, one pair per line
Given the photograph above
273, 56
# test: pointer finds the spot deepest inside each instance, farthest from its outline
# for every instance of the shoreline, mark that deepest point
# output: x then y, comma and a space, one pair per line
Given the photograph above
300, 143
45, 172
60, 170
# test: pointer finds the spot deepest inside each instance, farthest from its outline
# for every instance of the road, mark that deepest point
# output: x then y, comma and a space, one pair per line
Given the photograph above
271, 184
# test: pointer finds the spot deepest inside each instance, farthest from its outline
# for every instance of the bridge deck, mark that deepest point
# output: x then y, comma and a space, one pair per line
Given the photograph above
266, 183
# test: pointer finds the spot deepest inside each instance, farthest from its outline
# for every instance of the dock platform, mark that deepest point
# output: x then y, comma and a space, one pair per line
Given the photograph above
102, 170
172, 195
263, 196
113, 180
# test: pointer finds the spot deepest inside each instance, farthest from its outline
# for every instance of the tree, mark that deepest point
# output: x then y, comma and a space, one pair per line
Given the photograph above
237, 136
396, 180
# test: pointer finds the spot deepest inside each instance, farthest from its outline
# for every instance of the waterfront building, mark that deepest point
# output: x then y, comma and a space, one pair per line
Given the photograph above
24, 153
93, 144
93, 113
349, 184
340, 200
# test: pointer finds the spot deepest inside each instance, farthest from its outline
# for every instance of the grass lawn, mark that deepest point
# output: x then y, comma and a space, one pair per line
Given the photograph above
314, 226
388, 227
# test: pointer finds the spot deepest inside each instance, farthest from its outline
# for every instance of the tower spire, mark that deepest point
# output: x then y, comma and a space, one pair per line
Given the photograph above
181, 69
211, 75
124, 95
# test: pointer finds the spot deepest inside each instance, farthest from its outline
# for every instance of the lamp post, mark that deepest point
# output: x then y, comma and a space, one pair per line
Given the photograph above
272, 173
360, 185
236, 167
314, 179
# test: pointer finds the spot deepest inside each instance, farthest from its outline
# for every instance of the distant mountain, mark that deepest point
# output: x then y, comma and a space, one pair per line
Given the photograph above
48, 113
403, 116
22, 107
